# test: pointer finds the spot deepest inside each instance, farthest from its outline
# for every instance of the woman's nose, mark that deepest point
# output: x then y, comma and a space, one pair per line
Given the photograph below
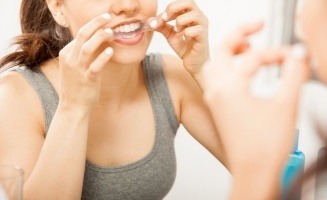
127, 7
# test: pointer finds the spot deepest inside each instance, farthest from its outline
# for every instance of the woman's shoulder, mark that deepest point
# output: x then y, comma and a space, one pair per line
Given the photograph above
172, 63
175, 72
12, 83
17, 97
174, 69
181, 84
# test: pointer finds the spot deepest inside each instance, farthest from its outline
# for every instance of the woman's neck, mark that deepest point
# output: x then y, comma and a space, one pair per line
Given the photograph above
119, 82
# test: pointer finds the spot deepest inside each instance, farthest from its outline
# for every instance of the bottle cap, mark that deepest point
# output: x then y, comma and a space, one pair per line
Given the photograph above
297, 134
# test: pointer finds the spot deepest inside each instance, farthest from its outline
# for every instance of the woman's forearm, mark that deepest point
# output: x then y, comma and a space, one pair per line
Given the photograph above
256, 185
59, 171
199, 80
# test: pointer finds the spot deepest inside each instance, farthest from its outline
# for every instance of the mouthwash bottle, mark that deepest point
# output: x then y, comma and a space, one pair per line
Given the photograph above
293, 169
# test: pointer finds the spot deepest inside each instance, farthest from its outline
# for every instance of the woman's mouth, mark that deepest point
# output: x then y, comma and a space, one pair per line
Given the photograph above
129, 34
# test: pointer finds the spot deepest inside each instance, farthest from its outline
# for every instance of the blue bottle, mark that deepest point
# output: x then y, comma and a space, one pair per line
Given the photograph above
293, 169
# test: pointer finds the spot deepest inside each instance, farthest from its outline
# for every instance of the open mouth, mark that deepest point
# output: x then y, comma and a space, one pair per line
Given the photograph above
128, 31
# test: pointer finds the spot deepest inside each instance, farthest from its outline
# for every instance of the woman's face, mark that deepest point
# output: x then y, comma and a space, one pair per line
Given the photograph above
131, 46
313, 21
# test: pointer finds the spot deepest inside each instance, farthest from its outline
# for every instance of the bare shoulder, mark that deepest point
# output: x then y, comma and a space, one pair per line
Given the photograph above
21, 123
173, 66
19, 103
181, 84
177, 75
175, 71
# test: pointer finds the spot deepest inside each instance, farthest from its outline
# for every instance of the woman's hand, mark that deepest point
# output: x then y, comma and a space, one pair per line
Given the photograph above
189, 39
81, 62
257, 132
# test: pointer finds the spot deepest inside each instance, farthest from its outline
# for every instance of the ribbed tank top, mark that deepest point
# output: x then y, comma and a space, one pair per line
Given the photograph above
152, 176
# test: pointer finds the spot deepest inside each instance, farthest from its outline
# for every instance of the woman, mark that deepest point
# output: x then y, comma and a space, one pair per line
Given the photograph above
258, 132
87, 114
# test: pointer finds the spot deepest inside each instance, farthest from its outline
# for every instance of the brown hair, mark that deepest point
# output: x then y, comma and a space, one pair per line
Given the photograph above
41, 39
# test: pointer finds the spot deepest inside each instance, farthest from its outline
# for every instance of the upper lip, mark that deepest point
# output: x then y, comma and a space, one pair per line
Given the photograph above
126, 22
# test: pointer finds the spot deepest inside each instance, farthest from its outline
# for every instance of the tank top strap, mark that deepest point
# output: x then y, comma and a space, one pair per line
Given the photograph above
44, 89
158, 89
154, 79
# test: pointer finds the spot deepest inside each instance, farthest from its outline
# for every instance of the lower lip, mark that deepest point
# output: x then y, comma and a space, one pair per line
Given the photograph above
131, 41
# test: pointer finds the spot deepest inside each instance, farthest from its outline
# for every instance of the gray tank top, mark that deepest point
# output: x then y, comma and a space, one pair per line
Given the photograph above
148, 178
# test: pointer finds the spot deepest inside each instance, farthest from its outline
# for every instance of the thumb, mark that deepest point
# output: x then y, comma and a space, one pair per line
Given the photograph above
159, 25
295, 72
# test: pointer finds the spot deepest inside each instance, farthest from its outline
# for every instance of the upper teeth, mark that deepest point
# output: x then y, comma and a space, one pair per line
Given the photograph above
127, 28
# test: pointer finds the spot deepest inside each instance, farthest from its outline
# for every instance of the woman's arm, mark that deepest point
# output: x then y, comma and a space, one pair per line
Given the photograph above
257, 131
55, 166
193, 113
250, 184
189, 39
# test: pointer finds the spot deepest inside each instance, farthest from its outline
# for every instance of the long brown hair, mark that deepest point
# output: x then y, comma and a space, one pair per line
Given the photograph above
41, 39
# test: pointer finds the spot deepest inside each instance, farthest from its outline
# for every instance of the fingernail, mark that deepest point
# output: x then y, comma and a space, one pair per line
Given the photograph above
109, 31
164, 16
106, 16
153, 23
175, 28
299, 51
108, 51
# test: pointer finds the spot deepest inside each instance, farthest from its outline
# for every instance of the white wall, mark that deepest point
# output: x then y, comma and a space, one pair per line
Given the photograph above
9, 22
199, 175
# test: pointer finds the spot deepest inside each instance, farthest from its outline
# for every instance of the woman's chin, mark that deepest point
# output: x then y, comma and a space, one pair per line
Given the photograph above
123, 57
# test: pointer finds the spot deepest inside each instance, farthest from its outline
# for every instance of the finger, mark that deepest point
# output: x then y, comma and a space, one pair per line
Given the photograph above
189, 19
86, 32
152, 23
100, 62
197, 33
64, 53
177, 8
166, 29
253, 61
295, 72
238, 40
157, 24
91, 47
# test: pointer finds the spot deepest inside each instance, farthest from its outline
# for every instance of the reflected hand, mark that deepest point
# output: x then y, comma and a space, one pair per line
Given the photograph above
257, 132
